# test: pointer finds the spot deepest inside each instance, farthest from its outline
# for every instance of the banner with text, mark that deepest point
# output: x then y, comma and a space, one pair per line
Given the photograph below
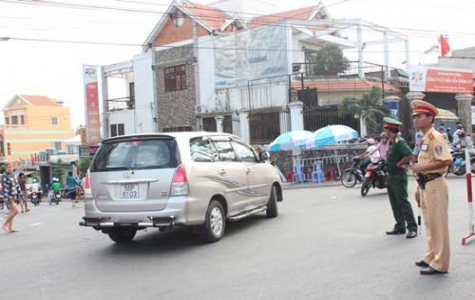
91, 93
439, 80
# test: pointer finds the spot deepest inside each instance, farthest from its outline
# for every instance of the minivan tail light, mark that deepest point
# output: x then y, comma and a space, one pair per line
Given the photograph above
87, 187
180, 182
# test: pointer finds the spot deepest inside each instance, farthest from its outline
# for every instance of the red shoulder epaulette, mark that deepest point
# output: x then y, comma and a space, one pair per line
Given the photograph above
431, 136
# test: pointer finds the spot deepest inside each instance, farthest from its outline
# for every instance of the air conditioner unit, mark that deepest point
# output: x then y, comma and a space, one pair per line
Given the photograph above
201, 109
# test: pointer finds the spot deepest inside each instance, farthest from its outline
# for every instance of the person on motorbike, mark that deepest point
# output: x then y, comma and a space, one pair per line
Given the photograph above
56, 188
462, 141
370, 155
457, 132
382, 147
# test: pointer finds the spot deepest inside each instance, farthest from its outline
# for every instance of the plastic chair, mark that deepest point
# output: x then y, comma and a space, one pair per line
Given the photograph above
298, 174
317, 173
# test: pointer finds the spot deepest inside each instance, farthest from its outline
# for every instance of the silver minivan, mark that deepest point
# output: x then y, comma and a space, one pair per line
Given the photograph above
163, 180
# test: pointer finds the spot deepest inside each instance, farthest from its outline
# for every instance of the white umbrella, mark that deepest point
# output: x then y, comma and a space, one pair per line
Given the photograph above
290, 140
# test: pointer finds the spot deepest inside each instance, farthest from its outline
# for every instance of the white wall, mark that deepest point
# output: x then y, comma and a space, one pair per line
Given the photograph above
144, 101
125, 117
206, 72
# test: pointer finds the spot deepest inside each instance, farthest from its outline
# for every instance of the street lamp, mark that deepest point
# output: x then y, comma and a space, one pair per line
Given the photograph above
4, 39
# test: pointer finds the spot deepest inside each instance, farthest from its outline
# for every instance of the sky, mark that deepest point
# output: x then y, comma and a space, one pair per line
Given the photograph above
30, 65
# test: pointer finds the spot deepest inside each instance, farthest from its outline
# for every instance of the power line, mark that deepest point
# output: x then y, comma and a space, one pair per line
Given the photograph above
167, 46
420, 32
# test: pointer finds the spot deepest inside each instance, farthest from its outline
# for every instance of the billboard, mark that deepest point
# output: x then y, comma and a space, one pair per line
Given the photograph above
91, 95
439, 80
250, 54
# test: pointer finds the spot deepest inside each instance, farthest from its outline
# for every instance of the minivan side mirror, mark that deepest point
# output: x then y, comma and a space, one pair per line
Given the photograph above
263, 156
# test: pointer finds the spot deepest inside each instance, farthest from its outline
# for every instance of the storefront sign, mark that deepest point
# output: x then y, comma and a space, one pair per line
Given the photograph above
438, 80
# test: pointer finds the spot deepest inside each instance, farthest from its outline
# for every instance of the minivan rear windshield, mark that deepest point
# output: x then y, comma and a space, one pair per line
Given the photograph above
136, 155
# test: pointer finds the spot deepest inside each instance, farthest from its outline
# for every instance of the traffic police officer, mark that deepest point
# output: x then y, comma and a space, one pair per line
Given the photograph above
398, 157
433, 160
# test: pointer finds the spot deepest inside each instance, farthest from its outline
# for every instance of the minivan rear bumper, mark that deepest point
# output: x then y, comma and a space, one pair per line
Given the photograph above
180, 210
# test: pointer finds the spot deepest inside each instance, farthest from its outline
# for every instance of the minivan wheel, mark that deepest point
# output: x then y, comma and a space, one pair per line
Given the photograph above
215, 223
122, 236
272, 211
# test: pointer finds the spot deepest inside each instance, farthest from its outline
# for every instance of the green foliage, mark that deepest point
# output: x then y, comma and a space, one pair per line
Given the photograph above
84, 165
58, 170
330, 60
2, 168
369, 107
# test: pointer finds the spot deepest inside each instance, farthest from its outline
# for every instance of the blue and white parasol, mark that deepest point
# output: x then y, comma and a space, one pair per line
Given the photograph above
331, 134
290, 140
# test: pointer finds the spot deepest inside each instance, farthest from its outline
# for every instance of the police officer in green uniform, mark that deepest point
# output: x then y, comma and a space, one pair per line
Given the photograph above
398, 157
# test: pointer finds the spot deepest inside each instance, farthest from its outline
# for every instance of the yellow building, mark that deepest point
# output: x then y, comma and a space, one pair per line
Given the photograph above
33, 124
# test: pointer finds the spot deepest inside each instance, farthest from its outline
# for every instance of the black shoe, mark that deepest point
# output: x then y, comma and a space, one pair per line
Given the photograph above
431, 271
421, 264
411, 234
396, 231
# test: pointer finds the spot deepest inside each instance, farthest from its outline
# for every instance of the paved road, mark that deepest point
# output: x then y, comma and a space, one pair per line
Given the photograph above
327, 243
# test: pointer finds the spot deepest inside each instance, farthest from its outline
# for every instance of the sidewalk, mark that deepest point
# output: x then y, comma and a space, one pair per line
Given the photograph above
309, 184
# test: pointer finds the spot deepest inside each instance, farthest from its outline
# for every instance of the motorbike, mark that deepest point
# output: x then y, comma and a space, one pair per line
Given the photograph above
375, 177
56, 198
353, 175
459, 165
35, 199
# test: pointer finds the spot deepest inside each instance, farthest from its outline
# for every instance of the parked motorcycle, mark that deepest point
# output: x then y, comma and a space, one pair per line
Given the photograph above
375, 177
353, 175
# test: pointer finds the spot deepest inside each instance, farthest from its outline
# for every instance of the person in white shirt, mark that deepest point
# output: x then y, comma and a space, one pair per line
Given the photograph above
456, 134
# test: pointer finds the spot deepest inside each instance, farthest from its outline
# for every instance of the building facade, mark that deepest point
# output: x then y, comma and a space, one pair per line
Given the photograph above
33, 124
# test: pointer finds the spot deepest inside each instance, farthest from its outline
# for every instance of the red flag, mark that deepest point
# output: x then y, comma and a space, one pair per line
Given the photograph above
444, 46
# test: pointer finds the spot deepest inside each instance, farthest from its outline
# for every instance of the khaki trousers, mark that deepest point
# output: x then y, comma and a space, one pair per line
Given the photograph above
434, 206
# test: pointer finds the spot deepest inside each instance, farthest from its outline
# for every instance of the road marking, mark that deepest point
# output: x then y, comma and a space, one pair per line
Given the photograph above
36, 224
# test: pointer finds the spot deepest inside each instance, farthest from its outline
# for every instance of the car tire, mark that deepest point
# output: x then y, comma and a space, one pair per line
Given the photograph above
272, 210
215, 223
122, 236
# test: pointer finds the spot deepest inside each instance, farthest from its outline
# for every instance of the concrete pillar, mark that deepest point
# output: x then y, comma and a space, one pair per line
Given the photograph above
284, 121
244, 124
464, 109
236, 124
411, 96
219, 123
296, 115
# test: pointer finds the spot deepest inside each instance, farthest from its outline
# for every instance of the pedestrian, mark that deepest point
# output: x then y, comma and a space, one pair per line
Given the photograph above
398, 157
10, 192
433, 160
72, 184
24, 193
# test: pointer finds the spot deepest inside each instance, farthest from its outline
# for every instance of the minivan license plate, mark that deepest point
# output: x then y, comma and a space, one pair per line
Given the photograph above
129, 191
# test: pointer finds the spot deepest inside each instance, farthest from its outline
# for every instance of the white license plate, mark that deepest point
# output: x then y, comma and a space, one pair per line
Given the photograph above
129, 191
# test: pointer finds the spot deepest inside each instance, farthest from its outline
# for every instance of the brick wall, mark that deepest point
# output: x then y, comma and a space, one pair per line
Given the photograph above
176, 108
172, 34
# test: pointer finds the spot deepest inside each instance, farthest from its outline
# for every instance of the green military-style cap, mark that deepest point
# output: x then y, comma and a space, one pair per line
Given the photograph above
391, 123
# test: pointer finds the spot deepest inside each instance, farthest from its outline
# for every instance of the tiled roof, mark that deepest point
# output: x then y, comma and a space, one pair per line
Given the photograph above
344, 85
296, 14
211, 16
39, 100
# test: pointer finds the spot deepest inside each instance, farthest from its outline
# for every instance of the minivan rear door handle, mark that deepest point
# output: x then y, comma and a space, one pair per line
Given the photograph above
222, 171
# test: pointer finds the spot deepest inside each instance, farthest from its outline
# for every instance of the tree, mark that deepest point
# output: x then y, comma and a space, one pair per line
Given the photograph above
330, 60
84, 165
369, 109
58, 169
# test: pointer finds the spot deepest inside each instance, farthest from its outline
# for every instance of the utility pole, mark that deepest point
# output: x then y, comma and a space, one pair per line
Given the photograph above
197, 70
